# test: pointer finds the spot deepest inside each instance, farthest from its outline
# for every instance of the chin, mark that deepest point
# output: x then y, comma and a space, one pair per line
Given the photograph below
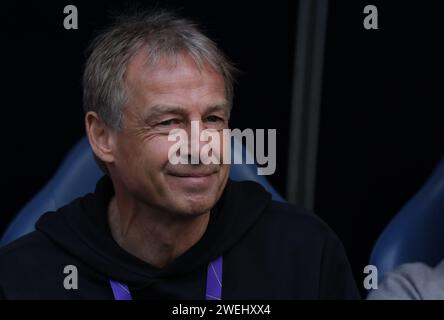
194, 206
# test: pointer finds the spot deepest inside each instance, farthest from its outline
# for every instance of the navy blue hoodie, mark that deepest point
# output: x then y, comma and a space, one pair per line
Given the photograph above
270, 250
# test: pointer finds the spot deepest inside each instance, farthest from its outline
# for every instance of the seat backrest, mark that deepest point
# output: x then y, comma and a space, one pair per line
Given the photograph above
78, 175
416, 233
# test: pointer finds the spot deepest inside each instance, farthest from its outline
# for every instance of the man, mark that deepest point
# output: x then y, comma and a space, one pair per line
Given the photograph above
157, 230
411, 281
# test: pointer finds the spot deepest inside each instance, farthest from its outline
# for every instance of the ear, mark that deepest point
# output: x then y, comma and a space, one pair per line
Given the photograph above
100, 136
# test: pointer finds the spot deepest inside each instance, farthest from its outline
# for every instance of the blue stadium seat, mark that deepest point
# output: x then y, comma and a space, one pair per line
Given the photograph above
416, 233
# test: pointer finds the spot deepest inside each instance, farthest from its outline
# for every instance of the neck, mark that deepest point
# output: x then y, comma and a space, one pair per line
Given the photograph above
152, 236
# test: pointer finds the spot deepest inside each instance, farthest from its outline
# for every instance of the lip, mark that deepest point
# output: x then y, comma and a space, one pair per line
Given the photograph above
194, 181
192, 175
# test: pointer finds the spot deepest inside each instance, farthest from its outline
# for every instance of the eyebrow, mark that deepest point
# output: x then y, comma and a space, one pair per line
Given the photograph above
159, 110
225, 107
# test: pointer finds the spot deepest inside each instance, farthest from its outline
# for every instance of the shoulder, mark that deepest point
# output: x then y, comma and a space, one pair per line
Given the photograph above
411, 281
300, 222
26, 253
306, 245
28, 242
297, 231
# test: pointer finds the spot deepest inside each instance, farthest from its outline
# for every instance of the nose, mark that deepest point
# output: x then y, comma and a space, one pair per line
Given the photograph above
194, 142
201, 138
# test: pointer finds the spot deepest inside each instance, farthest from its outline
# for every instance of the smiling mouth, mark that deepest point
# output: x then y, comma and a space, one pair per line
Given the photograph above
194, 181
198, 172
193, 178
192, 175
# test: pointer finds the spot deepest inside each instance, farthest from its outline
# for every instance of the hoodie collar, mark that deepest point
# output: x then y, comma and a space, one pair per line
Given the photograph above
82, 229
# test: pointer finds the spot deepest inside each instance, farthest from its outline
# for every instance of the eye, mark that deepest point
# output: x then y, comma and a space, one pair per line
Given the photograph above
214, 119
169, 122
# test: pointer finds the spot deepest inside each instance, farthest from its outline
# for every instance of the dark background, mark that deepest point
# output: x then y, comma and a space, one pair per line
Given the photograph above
381, 117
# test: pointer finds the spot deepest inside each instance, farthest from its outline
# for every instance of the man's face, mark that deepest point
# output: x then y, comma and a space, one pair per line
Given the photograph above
161, 99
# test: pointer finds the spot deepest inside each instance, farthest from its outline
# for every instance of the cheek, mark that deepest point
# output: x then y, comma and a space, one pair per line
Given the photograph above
224, 172
225, 148
143, 155
155, 152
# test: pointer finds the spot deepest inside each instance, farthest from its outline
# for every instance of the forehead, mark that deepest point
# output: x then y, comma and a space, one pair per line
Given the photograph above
178, 81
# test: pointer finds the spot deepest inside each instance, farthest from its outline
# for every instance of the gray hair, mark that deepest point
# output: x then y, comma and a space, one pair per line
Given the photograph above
161, 34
